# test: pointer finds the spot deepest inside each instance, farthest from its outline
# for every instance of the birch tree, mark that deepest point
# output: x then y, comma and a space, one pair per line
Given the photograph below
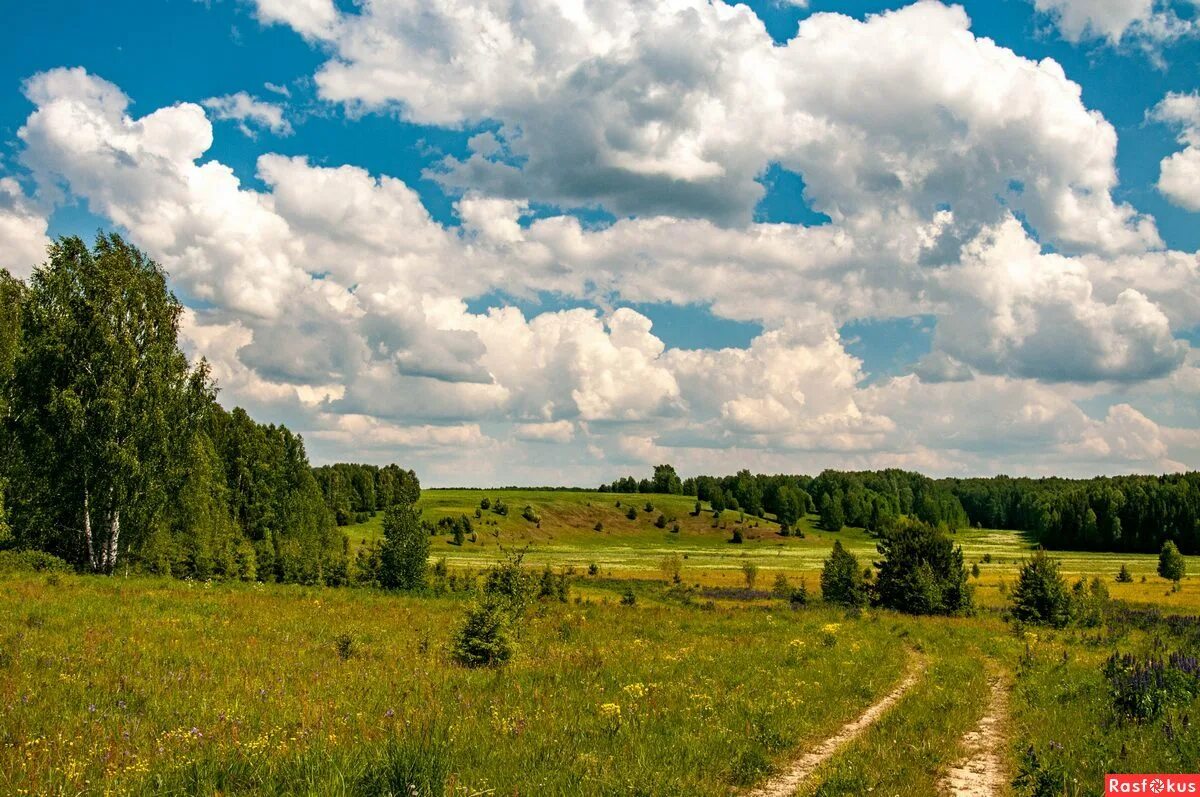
104, 397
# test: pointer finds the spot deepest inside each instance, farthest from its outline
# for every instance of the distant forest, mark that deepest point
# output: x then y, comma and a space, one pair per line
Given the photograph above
115, 454
1121, 513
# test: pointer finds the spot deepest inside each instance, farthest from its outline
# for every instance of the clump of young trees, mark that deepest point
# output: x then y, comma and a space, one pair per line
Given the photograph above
921, 572
355, 492
1041, 596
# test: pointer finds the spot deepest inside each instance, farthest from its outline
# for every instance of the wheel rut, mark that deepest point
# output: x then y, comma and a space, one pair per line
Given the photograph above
786, 783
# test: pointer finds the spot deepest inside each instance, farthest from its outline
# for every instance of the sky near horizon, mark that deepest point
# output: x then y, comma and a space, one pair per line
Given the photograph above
558, 241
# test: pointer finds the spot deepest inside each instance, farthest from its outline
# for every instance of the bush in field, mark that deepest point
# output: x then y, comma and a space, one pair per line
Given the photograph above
799, 596
628, 597
631, 514
486, 503
782, 588
483, 639
671, 566
1124, 576
736, 539
1088, 602
510, 584
661, 522
553, 586
649, 507
1041, 596
598, 527
404, 556
841, 578
921, 572
593, 569
1171, 564
32, 562
750, 574
529, 514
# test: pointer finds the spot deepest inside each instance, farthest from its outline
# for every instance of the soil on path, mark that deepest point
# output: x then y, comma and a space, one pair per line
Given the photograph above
981, 773
786, 783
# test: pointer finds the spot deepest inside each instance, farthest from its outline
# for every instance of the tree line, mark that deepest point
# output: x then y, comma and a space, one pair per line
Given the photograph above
1123, 514
873, 500
114, 453
355, 492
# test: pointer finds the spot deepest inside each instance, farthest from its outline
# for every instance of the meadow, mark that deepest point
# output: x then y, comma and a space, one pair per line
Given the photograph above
634, 549
634, 685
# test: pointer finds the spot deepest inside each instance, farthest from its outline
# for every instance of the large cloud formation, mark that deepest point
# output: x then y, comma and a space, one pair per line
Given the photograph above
962, 181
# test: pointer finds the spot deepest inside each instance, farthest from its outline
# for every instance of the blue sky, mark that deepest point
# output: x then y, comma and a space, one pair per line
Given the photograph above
882, 317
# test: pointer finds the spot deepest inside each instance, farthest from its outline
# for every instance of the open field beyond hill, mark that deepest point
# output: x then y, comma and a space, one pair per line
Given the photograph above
633, 549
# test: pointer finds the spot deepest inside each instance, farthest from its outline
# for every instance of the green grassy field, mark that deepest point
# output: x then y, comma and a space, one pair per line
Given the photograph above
151, 686
633, 548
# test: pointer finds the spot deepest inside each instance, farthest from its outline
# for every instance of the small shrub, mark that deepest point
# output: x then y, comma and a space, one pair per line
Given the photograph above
1124, 576
671, 566
661, 522
782, 588
750, 574
483, 638
593, 569
598, 527
486, 503
529, 514
799, 596
675, 529
649, 507
736, 539
31, 562
987, 558
975, 571
632, 514
345, 646
628, 597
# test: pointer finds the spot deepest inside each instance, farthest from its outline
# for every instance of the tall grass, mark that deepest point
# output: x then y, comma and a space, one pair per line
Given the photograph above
161, 687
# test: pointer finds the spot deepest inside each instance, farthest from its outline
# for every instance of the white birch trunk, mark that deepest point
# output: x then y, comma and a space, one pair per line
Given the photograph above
114, 536
87, 531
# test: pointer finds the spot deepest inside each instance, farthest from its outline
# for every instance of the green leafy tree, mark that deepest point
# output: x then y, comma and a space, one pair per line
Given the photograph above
789, 506
841, 578
1041, 595
1171, 564
666, 480
833, 518
12, 293
404, 556
104, 391
921, 572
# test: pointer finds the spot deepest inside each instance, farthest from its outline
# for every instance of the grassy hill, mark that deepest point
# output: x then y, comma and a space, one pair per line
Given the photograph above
624, 548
